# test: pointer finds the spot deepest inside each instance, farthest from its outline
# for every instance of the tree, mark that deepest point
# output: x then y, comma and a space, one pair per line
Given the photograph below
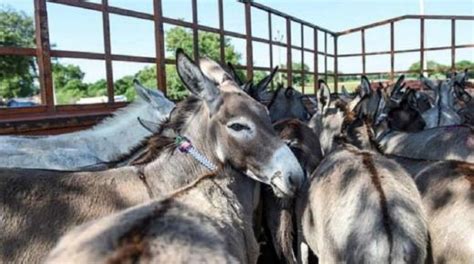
17, 73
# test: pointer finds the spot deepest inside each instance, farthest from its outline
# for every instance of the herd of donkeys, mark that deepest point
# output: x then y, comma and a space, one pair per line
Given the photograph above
237, 173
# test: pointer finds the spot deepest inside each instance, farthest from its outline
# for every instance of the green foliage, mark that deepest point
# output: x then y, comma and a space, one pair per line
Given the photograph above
17, 73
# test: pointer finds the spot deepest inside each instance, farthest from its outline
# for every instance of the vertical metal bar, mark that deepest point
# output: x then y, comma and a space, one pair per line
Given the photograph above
43, 53
336, 75
422, 45
362, 37
453, 44
289, 68
107, 50
221, 30
248, 36
392, 50
159, 46
270, 44
316, 60
195, 30
302, 59
325, 56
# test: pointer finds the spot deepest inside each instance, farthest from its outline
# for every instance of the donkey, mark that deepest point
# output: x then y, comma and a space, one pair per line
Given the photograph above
443, 113
225, 126
352, 183
283, 103
447, 190
279, 213
94, 147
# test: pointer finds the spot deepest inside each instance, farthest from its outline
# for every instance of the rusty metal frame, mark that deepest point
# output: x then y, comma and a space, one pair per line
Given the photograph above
43, 51
392, 52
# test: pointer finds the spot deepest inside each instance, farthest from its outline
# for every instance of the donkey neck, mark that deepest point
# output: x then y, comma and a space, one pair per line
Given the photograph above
116, 136
232, 198
173, 169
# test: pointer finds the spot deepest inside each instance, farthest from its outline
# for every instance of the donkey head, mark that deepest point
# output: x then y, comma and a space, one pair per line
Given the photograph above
159, 105
287, 103
371, 103
406, 116
234, 129
459, 84
302, 141
259, 91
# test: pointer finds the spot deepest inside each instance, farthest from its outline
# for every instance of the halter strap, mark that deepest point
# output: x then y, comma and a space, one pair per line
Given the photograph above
184, 145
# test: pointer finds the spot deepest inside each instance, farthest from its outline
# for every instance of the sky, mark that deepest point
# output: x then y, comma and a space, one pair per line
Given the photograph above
81, 30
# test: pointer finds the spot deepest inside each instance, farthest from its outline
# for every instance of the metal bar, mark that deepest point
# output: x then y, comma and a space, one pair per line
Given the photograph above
453, 44
422, 45
159, 46
302, 60
107, 50
392, 48
335, 65
44, 54
387, 21
404, 51
288, 53
362, 36
248, 33
378, 73
270, 45
278, 13
221, 31
316, 60
17, 51
195, 30
325, 57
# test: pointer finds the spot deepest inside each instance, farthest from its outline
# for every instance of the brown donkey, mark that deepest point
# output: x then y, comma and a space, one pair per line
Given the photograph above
225, 126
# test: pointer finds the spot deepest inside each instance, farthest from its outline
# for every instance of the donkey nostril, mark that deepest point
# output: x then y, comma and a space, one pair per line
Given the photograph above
294, 181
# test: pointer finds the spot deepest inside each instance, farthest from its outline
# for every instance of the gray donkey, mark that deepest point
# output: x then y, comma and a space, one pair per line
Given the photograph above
225, 127
358, 206
91, 148
282, 103
447, 191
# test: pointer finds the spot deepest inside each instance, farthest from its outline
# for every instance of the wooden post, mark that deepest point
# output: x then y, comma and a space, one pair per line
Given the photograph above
43, 53
159, 46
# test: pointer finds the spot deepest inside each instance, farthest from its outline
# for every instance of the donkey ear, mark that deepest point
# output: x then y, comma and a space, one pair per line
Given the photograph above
234, 75
196, 82
399, 84
365, 89
427, 82
152, 96
263, 84
323, 95
149, 125
345, 92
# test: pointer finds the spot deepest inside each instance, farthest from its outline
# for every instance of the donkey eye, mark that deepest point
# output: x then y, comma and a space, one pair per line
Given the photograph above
238, 127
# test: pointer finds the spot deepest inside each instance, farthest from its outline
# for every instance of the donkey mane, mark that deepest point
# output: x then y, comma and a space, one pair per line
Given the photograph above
163, 140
